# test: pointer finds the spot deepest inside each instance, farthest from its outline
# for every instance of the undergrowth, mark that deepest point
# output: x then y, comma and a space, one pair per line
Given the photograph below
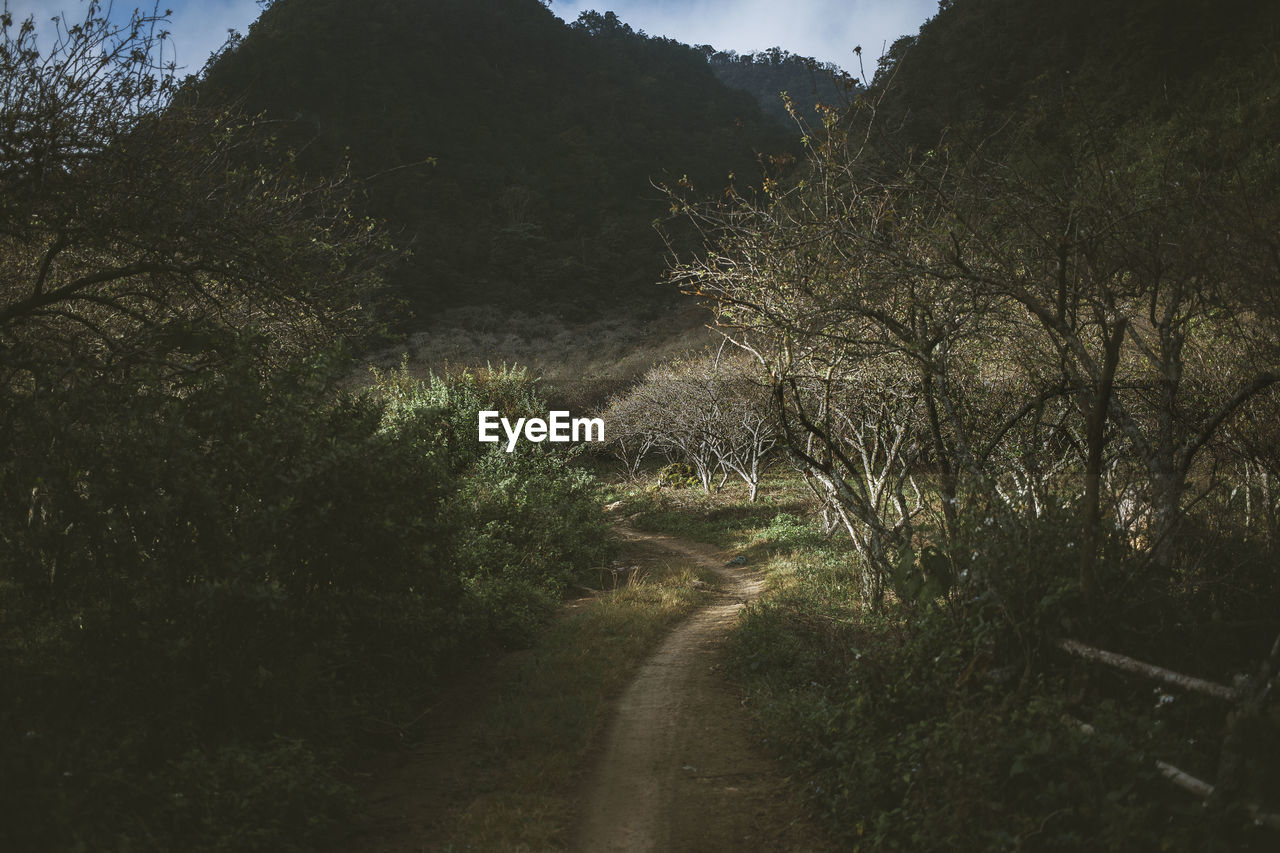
526, 742
207, 597
951, 723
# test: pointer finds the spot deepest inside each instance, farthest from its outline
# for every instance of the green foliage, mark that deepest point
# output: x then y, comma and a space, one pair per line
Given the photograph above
237, 479
1021, 574
786, 86
678, 475
529, 525
726, 518
533, 528
787, 531
191, 575
1119, 60
922, 577
913, 730
277, 797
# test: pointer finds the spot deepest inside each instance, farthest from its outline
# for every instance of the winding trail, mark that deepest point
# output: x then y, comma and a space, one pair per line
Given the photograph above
681, 768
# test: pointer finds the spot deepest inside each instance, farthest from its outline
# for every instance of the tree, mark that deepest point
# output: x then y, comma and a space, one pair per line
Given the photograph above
607, 25
876, 366
989, 286
134, 225
710, 412
1137, 295
152, 252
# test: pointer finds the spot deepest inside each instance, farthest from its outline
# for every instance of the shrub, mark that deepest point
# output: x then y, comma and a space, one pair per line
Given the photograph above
534, 526
205, 589
951, 728
677, 475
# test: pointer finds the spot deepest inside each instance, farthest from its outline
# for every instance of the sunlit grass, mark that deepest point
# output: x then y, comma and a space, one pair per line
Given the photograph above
535, 738
724, 518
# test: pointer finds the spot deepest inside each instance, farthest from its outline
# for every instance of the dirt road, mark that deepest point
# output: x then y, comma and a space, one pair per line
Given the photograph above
678, 767
681, 768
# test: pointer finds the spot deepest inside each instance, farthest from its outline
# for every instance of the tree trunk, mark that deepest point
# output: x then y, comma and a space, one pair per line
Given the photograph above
1096, 441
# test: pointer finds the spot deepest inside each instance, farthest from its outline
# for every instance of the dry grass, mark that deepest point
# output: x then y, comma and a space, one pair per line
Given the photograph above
586, 360
533, 741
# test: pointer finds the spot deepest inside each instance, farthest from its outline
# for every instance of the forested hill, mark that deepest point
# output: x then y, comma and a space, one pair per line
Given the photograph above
982, 64
517, 152
767, 74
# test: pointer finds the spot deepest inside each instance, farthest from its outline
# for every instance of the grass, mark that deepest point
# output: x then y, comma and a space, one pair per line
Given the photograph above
724, 518
898, 725
912, 729
533, 739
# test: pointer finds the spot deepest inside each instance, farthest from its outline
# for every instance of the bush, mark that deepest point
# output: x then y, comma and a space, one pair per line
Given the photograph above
950, 727
534, 527
276, 797
204, 590
677, 475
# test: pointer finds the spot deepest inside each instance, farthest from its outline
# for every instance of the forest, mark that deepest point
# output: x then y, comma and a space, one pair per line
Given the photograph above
988, 409
516, 159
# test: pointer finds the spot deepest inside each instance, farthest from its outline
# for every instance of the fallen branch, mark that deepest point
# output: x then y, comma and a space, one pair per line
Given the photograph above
1204, 791
1159, 673
1184, 780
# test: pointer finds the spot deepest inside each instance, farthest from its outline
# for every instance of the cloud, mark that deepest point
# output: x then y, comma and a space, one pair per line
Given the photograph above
825, 29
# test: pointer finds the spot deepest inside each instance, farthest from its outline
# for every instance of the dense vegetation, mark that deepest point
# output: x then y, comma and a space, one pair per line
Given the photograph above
207, 596
1012, 318
514, 155
770, 74
1017, 319
217, 570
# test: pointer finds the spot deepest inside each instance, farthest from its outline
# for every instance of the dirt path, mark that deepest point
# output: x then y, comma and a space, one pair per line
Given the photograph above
681, 768
678, 767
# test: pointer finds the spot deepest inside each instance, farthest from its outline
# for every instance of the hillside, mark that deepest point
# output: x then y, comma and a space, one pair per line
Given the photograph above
513, 154
979, 64
767, 74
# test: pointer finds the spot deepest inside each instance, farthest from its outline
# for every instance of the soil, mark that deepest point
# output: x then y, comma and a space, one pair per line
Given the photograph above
680, 767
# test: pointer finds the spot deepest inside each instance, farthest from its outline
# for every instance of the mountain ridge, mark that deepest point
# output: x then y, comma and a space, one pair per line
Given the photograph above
546, 139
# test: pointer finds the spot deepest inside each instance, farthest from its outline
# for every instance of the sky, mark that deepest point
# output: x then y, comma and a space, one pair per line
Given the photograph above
825, 29
197, 27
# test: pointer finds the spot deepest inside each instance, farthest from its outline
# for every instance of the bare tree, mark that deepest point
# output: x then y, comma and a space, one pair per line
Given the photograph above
1132, 288
744, 422
131, 225
1001, 288
631, 439
879, 361
709, 412
857, 445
